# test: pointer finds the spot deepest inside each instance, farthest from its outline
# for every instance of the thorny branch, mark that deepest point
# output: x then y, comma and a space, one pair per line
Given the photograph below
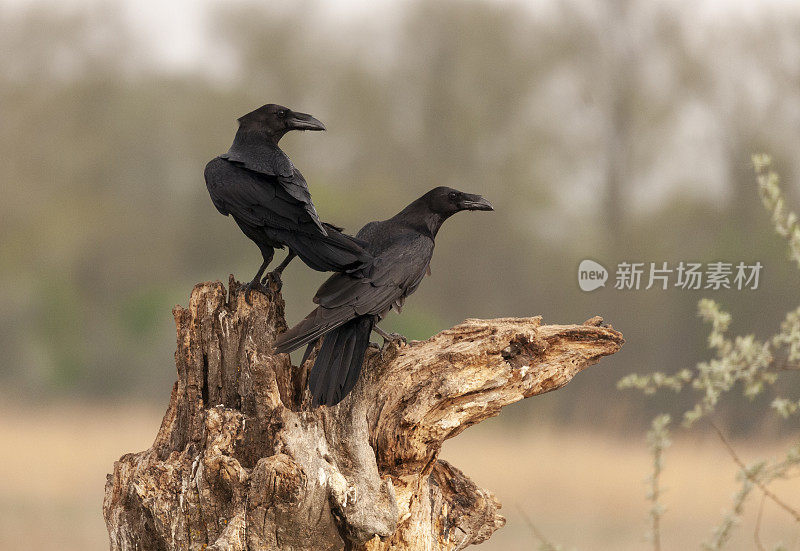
754, 479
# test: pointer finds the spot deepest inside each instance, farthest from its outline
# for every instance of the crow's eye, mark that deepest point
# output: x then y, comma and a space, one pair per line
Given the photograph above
452, 195
282, 113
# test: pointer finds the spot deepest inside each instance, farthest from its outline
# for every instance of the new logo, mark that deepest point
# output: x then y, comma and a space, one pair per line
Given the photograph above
591, 275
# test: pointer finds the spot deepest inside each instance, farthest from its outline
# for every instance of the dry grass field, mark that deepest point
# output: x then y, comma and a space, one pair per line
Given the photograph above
582, 489
585, 490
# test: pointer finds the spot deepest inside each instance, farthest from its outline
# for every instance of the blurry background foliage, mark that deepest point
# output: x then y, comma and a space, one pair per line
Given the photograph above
740, 362
618, 131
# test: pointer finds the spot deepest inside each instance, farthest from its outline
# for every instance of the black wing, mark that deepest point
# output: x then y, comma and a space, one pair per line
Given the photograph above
397, 272
262, 200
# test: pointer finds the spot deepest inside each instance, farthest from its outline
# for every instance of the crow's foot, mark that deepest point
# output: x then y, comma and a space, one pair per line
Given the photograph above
273, 281
390, 337
254, 285
394, 338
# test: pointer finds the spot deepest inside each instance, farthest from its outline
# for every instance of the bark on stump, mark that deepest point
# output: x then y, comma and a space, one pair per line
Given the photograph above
242, 461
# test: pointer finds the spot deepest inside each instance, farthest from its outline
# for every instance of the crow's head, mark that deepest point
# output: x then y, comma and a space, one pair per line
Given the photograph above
276, 120
447, 201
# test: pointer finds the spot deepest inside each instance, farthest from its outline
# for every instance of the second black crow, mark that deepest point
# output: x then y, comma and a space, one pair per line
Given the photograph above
350, 307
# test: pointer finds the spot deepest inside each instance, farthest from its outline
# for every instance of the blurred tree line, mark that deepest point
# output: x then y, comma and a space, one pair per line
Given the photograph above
617, 131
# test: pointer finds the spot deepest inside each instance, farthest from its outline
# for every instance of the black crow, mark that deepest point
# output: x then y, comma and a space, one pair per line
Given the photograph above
257, 184
350, 307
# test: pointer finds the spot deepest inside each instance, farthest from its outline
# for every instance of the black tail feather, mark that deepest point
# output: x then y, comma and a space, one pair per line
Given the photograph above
359, 349
319, 379
336, 252
311, 328
338, 363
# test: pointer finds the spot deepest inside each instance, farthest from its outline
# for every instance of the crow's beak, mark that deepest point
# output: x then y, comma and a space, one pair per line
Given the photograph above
303, 121
475, 202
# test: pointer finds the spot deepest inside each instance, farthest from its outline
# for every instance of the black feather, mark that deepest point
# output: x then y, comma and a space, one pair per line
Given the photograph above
257, 184
338, 364
349, 307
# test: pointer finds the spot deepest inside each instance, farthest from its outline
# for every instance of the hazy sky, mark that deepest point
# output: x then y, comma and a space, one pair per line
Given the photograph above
174, 30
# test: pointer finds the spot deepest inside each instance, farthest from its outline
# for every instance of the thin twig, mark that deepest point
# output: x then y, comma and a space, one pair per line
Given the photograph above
757, 534
761, 486
787, 366
658, 440
783, 364
538, 535
656, 491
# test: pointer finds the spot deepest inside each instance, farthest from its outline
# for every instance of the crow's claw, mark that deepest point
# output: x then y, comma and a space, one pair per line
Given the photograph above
394, 338
390, 337
273, 281
250, 287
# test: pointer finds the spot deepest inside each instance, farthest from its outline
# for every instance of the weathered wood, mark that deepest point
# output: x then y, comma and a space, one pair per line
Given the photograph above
242, 461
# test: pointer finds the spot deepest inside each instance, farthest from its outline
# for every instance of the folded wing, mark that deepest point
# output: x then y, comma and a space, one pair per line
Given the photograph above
397, 272
262, 200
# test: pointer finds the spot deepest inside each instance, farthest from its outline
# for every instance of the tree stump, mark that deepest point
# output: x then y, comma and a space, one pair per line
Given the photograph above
242, 461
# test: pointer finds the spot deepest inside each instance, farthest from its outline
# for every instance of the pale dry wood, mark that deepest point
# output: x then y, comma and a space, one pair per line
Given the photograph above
242, 461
